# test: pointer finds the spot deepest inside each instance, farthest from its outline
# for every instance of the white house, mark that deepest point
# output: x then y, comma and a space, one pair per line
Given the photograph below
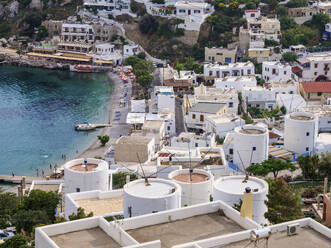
138, 106
259, 97
323, 113
316, 67
193, 140
196, 118
229, 97
105, 53
235, 82
169, 121
104, 49
274, 70
130, 50
113, 7
249, 145
212, 71
163, 99
291, 102
252, 13
221, 125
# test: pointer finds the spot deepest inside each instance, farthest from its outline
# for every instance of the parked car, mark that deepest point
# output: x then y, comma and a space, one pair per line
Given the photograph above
5, 235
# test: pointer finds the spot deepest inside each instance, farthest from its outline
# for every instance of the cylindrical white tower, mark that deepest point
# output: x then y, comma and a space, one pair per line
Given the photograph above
155, 196
85, 176
250, 145
300, 132
196, 191
231, 189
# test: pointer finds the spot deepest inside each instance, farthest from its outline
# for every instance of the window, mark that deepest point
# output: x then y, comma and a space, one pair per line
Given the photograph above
307, 134
315, 73
168, 128
319, 93
307, 149
230, 104
202, 118
196, 144
193, 116
231, 151
315, 65
285, 72
254, 148
248, 71
77, 189
210, 73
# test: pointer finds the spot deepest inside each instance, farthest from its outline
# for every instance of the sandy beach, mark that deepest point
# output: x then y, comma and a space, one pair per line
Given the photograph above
117, 128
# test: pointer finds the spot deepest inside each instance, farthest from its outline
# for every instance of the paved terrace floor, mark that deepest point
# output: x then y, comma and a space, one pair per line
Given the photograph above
307, 238
101, 207
94, 237
186, 230
47, 187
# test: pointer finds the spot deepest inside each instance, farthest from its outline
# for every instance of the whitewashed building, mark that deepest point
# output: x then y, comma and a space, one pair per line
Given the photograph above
169, 122
221, 125
213, 71
316, 67
130, 50
300, 132
163, 99
193, 140
229, 97
235, 82
259, 97
323, 113
274, 70
196, 117
113, 7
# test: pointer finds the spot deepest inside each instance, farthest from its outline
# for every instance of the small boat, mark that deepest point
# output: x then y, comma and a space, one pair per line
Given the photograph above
81, 68
85, 127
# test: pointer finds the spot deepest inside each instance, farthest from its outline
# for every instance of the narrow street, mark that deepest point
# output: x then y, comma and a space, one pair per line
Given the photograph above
179, 117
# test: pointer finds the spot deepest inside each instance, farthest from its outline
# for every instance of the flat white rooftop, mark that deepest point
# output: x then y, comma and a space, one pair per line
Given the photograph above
156, 188
235, 185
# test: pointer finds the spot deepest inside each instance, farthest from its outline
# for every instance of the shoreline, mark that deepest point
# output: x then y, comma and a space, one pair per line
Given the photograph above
95, 149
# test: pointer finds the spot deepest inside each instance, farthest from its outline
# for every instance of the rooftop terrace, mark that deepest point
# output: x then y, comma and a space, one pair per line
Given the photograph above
101, 207
94, 237
187, 230
307, 238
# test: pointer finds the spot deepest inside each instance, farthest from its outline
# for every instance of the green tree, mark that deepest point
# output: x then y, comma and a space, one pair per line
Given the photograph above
40, 200
103, 139
307, 167
42, 32
158, 1
80, 214
25, 220
299, 35
287, 22
8, 204
24, 2
4, 30
289, 56
283, 204
17, 241
282, 11
178, 66
270, 165
318, 21
141, 55
324, 165
148, 25
119, 179
297, 3
145, 80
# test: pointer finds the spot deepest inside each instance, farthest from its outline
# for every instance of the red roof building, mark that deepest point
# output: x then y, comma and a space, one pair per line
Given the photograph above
315, 90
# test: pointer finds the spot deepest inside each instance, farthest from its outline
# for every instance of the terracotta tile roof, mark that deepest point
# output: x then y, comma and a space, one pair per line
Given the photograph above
273, 135
251, 10
296, 69
317, 86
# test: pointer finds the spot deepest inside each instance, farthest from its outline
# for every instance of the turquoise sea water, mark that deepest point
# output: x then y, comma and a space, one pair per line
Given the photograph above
38, 111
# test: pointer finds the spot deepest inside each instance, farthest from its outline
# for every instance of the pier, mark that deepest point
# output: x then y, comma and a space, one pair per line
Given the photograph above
17, 179
89, 126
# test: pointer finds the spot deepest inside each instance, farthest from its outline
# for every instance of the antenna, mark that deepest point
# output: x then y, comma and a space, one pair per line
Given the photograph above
85, 164
146, 178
